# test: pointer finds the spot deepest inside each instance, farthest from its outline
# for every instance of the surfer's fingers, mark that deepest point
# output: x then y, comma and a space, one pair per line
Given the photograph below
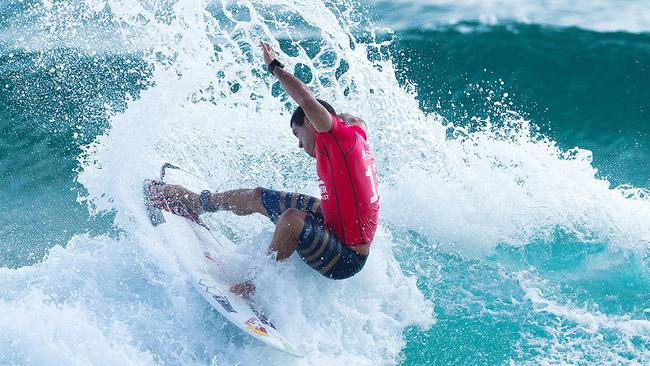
268, 49
265, 49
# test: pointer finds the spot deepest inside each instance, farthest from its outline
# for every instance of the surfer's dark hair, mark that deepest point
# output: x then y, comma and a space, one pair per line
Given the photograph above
298, 117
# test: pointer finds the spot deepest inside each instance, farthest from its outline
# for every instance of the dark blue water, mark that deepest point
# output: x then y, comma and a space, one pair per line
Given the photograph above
52, 103
581, 87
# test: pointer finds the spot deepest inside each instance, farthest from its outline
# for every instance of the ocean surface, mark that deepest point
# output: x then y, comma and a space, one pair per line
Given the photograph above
513, 151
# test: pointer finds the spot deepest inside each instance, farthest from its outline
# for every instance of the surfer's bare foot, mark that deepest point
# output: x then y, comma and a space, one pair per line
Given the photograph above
244, 289
183, 196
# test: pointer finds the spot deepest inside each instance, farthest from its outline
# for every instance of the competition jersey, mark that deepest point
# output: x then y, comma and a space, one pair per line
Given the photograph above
348, 183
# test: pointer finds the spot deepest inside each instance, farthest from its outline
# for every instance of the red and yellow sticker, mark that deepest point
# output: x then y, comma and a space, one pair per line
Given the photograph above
254, 326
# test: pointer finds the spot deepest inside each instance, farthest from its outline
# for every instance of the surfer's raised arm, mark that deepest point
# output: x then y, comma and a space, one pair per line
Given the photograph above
319, 117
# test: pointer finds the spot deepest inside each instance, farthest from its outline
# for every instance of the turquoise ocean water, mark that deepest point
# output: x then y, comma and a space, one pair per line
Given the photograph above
513, 151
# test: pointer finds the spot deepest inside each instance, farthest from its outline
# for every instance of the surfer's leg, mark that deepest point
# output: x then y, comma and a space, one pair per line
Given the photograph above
324, 252
180, 195
289, 225
285, 239
287, 231
277, 202
243, 201
267, 202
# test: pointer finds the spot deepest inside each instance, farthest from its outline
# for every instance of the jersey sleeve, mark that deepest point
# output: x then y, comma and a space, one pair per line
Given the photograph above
341, 134
360, 132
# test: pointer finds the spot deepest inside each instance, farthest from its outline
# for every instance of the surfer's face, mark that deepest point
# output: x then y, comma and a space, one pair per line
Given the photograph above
305, 135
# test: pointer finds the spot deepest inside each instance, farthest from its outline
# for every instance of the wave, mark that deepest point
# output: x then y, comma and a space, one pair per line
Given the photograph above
126, 294
587, 320
582, 88
609, 338
210, 107
52, 102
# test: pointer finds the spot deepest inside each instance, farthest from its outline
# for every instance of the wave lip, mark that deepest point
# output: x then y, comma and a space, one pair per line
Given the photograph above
604, 16
587, 320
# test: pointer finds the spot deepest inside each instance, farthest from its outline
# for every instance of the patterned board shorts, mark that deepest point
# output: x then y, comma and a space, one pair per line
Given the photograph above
317, 245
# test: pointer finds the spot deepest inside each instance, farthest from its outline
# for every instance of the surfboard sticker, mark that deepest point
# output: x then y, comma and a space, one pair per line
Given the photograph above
255, 326
263, 318
223, 301
220, 298
197, 250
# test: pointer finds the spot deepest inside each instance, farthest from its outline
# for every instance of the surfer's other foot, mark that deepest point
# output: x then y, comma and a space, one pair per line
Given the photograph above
244, 289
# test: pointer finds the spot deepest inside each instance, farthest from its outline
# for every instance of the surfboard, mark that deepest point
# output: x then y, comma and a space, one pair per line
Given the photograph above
197, 249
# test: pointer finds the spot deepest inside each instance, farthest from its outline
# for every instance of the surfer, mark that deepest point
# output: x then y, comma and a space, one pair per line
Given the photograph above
332, 234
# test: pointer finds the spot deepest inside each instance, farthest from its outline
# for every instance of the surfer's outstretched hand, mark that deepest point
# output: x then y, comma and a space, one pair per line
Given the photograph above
269, 53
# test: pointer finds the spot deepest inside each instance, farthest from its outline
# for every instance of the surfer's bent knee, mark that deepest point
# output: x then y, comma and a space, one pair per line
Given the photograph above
324, 252
294, 218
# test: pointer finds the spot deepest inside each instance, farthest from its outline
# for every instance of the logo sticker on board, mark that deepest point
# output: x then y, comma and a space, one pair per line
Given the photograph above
254, 326
223, 301
263, 319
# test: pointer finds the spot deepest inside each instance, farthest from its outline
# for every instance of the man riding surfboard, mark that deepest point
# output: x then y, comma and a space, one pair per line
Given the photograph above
332, 234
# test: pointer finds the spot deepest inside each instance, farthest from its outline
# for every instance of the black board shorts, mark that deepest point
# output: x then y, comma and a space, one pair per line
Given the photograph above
317, 246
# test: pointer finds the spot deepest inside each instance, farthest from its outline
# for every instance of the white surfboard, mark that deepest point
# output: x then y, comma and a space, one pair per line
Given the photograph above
197, 251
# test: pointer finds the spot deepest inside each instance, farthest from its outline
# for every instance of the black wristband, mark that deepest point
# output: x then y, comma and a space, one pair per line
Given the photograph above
273, 65
204, 200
